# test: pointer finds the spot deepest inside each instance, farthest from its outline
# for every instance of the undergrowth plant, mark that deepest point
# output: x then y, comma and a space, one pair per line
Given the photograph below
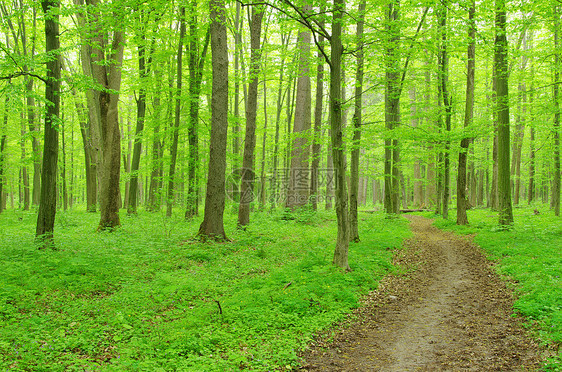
150, 297
528, 255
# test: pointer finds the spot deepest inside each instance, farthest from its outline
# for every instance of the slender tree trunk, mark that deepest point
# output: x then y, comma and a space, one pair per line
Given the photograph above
3, 137
126, 157
90, 167
280, 97
418, 188
444, 92
175, 129
329, 176
237, 119
248, 172
462, 218
212, 225
531, 187
556, 126
141, 113
63, 168
196, 67
23, 169
35, 145
357, 122
154, 196
502, 102
342, 244
48, 202
316, 145
392, 109
264, 141
518, 142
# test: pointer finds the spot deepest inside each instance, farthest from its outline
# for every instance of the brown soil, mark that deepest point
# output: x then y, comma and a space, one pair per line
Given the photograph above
447, 311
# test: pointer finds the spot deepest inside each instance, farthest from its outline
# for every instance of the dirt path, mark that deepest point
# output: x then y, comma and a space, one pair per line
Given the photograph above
450, 314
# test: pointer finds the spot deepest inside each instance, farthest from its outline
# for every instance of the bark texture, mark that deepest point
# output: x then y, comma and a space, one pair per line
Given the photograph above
248, 172
48, 201
299, 177
502, 104
342, 244
177, 114
213, 226
357, 122
462, 198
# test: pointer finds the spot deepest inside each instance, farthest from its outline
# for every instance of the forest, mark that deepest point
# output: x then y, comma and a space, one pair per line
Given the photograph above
206, 185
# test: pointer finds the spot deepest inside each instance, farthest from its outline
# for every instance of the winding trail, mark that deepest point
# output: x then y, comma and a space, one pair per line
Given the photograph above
452, 313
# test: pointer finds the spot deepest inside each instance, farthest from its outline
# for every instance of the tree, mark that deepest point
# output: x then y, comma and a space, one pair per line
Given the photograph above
502, 109
196, 67
213, 226
443, 93
48, 201
556, 126
392, 108
248, 173
462, 218
3, 137
354, 183
144, 71
177, 117
338, 156
316, 146
299, 177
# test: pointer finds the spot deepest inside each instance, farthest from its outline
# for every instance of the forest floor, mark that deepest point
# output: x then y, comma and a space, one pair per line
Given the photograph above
446, 310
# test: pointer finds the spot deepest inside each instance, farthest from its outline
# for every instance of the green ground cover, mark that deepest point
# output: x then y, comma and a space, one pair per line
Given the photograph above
530, 255
146, 297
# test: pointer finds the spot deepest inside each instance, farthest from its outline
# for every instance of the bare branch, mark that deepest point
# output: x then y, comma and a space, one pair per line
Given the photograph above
22, 73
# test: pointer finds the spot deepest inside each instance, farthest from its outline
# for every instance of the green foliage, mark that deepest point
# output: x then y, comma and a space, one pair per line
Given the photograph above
147, 297
529, 255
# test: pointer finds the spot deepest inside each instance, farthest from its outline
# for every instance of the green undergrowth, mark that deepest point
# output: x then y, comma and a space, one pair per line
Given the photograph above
148, 297
530, 255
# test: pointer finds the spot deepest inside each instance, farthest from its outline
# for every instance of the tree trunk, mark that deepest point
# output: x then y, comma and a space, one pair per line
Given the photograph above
443, 60
23, 169
518, 143
299, 176
177, 116
316, 145
63, 168
392, 110
35, 145
502, 104
90, 166
556, 126
196, 67
357, 122
103, 107
3, 136
248, 172
237, 119
280, 97
48, 202
531, 187
262, 193
418, 187
154, 189
342, 244
212, 225
141, 113
462, 218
